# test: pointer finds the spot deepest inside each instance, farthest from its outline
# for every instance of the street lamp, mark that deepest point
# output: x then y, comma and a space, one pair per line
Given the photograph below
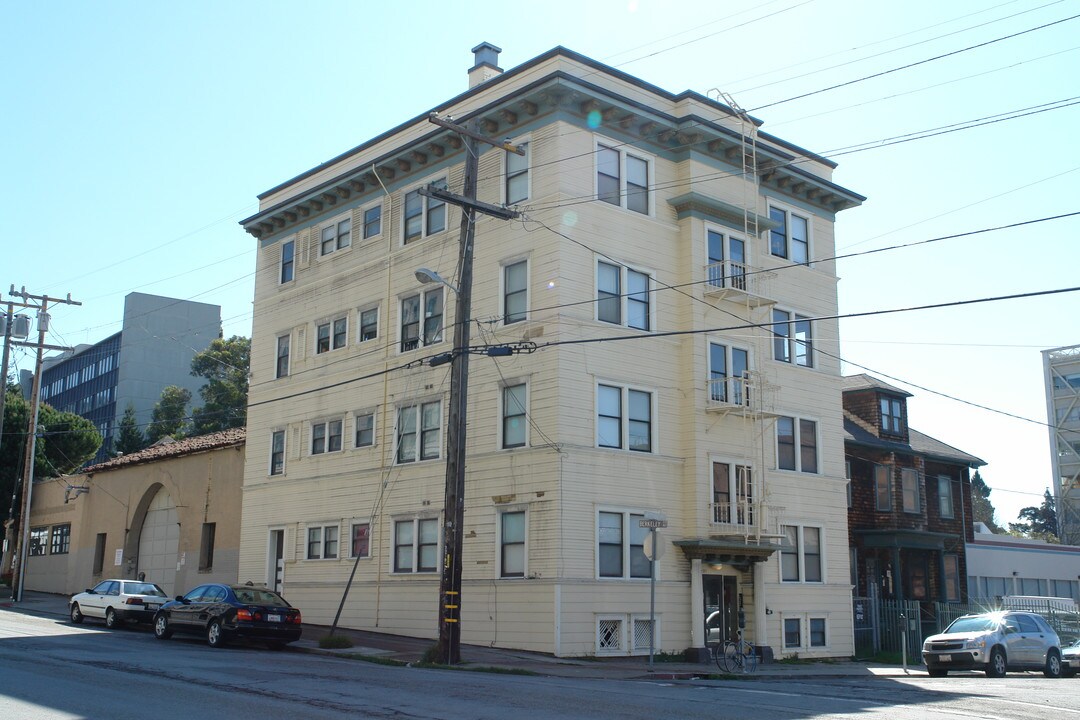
426, 275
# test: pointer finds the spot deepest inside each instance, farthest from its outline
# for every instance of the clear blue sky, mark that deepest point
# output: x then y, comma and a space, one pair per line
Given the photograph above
135, 136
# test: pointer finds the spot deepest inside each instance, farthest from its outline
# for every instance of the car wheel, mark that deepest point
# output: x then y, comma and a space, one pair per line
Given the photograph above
111, 621
937, 672
215, 635
997, 665
162, 631
1053, 665
76, 613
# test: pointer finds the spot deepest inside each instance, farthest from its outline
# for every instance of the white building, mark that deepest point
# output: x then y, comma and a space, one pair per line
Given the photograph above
660, 296
1061, 371
1001, 565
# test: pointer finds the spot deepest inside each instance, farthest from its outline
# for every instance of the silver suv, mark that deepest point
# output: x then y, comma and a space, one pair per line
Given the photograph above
994, 642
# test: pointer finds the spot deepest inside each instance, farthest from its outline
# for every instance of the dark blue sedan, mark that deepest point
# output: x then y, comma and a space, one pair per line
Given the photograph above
226, 612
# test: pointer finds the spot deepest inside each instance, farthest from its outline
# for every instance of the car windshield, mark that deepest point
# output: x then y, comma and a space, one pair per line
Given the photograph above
972, 624
258, 596
143, 588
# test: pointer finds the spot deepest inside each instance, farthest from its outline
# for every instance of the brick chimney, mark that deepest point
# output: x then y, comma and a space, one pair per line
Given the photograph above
486, 65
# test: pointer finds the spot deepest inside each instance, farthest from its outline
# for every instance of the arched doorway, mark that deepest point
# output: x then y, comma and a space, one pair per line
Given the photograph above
159, 542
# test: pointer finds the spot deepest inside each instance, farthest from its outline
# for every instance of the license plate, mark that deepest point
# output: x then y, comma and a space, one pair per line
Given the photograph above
273, 617
944, 658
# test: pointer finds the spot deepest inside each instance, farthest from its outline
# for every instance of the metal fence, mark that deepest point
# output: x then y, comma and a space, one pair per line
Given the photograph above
883, 626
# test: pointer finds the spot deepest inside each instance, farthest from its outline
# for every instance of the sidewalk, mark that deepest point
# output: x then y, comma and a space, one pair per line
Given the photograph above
397, 648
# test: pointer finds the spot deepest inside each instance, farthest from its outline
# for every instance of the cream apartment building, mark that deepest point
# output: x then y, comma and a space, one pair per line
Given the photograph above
660, 292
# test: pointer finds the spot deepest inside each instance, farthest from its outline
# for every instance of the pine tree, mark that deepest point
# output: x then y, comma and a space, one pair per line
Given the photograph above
225, 365
1038, 522
982, 509
130, 438
170, 414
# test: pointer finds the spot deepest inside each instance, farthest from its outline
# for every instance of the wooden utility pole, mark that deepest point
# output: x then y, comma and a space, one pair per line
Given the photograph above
448, 650
23, 538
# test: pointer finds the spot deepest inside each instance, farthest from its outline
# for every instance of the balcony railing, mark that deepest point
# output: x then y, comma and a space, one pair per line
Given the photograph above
738, 281
746, 519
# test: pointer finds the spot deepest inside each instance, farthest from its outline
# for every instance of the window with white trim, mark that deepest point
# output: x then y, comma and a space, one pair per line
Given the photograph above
322, 542
793, 338
416, 545
281, 367
514, 421
945, 497
288, 254
369, 324
624, 418
792, 632
727, 260
620, 551
812, 630
796, 444
517, 175
335, 236
424, 216
418, 430
622, 178
729, 368
909, 487
733, 493
360, 533
414, 333
373, 221
800, 554
331, 335
365, 429
631, 307
277, 452
512, 552
325, 437
515, 292
790, 238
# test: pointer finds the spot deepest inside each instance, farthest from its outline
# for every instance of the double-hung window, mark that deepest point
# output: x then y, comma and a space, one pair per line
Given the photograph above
631, 307
418, 430
892, 415
288, 252
331, 335
513, 416
796, 444
322, 542
620, 549
373, 221
883, 488
733, 493
909, 486
281, 368
369, 324
416, 545
517, 175
277, 453
945, 497
512, 530
424, 216
414, 333
515, 292
790, 238
325, 437
365, 429
361, 540
728, 372
800, 554
335, 236
793, 338
624, 418
622, 178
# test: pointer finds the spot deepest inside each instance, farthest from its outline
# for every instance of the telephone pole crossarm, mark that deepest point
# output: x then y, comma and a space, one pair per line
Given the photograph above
498, 211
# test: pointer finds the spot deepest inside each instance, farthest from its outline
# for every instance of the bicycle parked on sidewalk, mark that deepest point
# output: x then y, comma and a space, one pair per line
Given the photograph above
736, 656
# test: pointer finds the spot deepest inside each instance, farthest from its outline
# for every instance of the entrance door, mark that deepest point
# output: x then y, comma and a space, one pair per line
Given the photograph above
159, 542
276, 570
721, 608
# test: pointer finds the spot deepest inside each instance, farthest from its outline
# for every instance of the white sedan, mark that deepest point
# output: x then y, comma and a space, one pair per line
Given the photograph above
118, 601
